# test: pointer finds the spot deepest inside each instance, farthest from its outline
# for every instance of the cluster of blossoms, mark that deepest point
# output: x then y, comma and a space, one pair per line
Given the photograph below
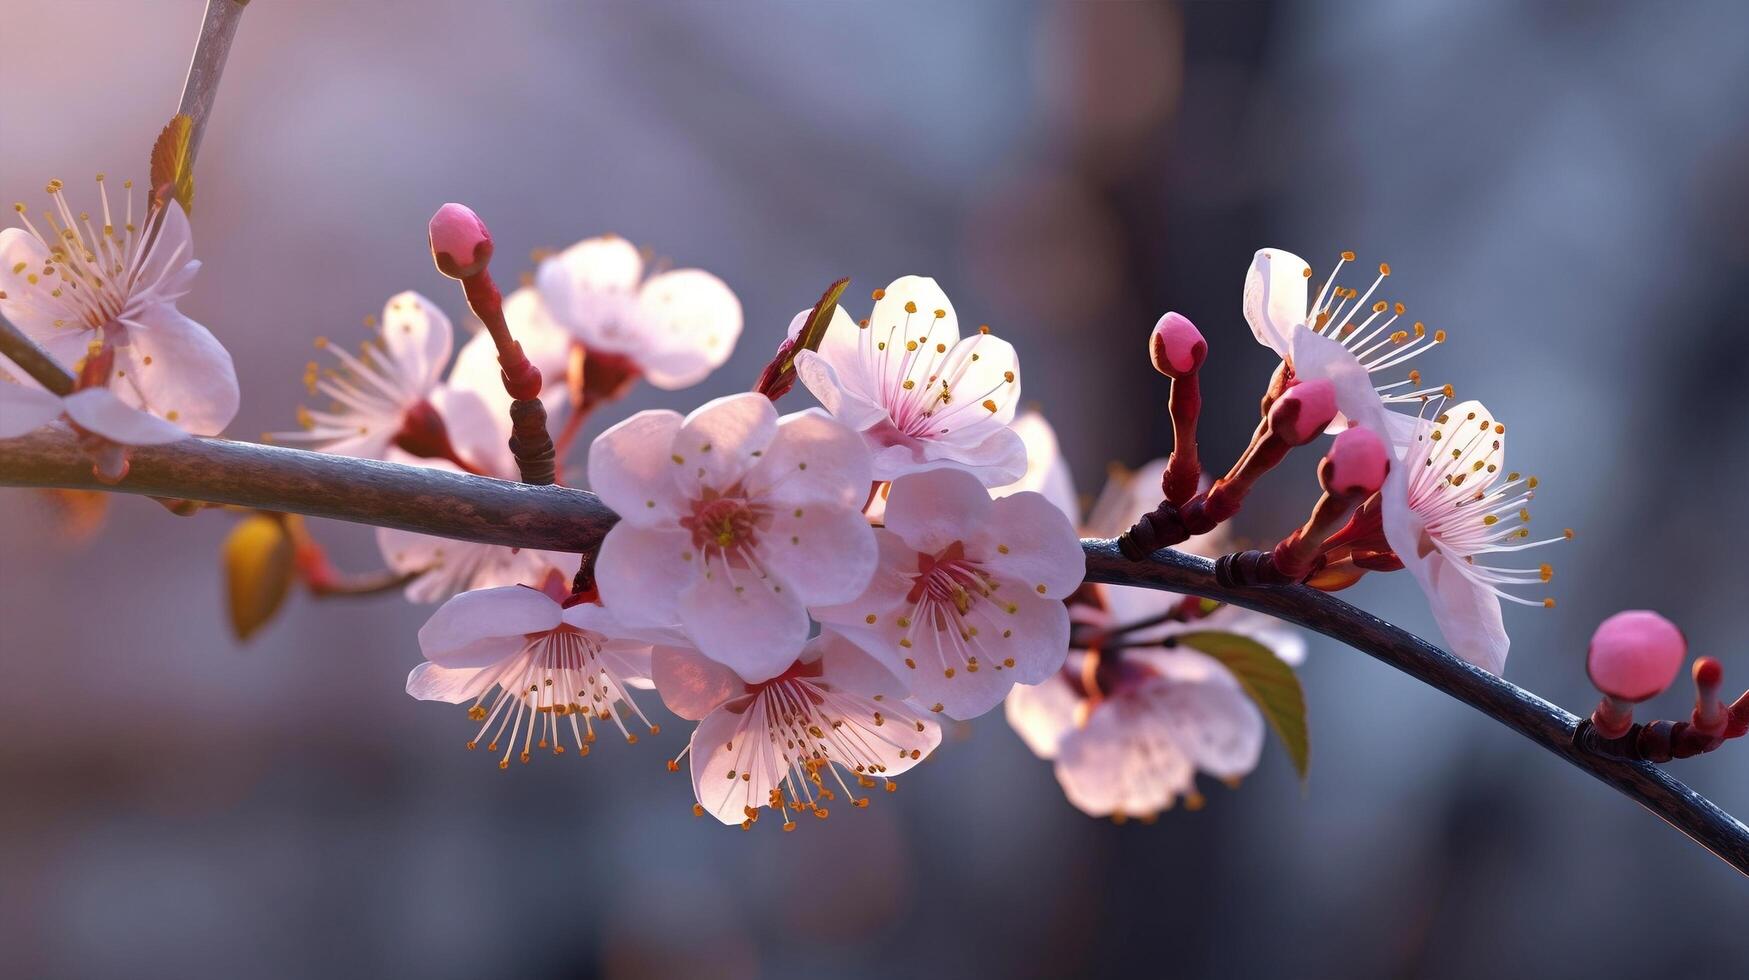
97, 293
814, 588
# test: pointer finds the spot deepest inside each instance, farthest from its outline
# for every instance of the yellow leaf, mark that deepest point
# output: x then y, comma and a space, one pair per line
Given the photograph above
172, 167
258, 558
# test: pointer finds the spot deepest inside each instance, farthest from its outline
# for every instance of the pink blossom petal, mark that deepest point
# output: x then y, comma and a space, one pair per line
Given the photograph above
100, 411
24, 305
590, 289
840, 390
1041, 714
692, 685
732, 768
825, 552
642, 571
1037, 545
25, 409
418, 338
1275, 297
164, 275
720, 441
174, 368
932, 510
993, 453
1125, 760
631, 468
812, 460
691, 320
429, 682
847, 667
486, 626
749, 623
1213, 722
1046, 470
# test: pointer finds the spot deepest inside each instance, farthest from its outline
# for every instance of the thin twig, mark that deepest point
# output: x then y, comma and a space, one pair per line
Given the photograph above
217, 28
555, 518
34, 361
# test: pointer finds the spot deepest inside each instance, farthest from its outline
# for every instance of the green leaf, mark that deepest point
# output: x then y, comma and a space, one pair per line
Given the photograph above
1267, 681
172, 166
258, 557
814, 330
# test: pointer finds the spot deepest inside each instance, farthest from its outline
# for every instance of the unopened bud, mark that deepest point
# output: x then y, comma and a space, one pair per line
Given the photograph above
1176, 346
1358, 462
1303, 412
460, 243
1635, 655
1710, 714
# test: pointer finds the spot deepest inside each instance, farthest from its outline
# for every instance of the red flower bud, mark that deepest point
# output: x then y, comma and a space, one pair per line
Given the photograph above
1303, 412
1358, 463
460, 243
1635, 655
1176, 346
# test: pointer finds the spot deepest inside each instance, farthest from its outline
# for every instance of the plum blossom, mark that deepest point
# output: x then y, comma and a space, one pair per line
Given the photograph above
73, 282
479, 437
967, 600
381, 396
1448, 505
673, 327
533, 666
1283, 319
922, 397
833, 712
732, 523
1132, 742
102, 420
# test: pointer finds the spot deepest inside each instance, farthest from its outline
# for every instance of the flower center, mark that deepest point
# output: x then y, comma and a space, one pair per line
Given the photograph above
922, 381
949, 595
1334, 313
91, 270
559, 678
726, 525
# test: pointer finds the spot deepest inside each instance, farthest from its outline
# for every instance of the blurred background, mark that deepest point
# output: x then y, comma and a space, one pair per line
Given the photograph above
1564, 187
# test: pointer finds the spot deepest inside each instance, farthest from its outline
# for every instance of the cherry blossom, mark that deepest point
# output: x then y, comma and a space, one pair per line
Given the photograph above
967, 599
533, 667
674, 327
1279, 311
1132, 743
75, 280
104, 422
922, 397
1447, 506
380, 397
732, 523
834, 712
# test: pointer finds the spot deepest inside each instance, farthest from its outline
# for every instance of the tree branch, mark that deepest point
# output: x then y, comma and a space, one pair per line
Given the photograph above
476, 508
35, 361
217, 28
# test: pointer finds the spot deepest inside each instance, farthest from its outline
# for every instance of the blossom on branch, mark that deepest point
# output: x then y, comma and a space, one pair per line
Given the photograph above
922, 397
381, 397
76, 280
967, 600
673, 327
834, 712
533, 668
732, 523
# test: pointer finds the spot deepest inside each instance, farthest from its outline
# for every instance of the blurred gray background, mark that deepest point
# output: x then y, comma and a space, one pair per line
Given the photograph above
1562, 186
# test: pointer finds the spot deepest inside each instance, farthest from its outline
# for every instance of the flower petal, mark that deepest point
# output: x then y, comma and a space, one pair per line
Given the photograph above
1357, 402
1125, 760
1041, 714
749, 623
1046, 470
720, 441
164, 275
483, 627
642, 572
590, 289
630, 468
991, 452
1212, 721
27, 304
691, 320
907, 313
840, 389
692, 685
812, 460
824, 552
733, 767
174, 368
1038, 545
25, 409
932, 510
418, 338
100, 411
1275, 297
429, 682
846, 666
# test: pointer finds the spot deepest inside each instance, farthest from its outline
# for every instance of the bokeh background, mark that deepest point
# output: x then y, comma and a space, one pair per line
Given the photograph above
1562, 186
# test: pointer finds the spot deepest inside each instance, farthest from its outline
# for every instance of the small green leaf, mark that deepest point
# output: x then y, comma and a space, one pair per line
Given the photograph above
172, 167
814, 330
258, 557
1267, 681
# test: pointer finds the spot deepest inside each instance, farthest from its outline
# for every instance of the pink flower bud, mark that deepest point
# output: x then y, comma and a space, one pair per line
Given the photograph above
1303, 412
1358, 462
1176, 346
1635, 655
459, 241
